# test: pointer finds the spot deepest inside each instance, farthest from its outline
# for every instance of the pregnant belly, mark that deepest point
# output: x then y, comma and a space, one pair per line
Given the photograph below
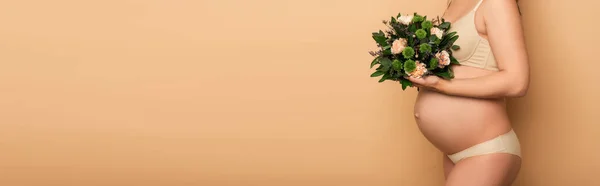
455, 123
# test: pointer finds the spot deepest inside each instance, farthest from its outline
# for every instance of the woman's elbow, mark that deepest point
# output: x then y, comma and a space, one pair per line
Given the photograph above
518, 90
517, 83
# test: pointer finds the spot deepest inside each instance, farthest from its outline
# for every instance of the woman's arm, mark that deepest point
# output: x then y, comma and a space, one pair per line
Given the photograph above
505, 35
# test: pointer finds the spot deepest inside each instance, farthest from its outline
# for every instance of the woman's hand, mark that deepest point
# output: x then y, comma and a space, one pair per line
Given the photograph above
431, 82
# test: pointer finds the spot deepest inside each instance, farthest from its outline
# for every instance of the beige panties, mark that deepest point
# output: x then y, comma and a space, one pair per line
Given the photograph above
505, 143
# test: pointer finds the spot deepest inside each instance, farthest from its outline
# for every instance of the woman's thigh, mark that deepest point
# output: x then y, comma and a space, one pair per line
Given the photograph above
448, 165
499, 169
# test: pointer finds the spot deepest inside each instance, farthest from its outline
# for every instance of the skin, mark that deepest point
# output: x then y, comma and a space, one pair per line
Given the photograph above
470, 109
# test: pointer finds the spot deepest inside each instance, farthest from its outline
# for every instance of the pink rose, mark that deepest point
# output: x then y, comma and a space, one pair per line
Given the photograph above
443, 59
398, 45
419, 71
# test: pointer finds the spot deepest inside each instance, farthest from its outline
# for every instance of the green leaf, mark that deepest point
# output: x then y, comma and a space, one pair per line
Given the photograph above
399, 31
446, 39
455, 47
379, 68
385, 62
385, 77
434, 48
380, 38
397, 75
384, 68
412, 28
375, 62
394, 20
452, 40
453, 60
399, 15
405, 83
387, 51
377, 73
446, 74
433, 38
451, 34
445, 25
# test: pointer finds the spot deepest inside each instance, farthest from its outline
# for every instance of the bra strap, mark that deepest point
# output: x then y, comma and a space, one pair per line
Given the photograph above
477, 6
448, 5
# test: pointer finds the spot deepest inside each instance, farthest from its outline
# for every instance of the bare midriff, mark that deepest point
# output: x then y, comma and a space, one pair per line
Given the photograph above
453, 123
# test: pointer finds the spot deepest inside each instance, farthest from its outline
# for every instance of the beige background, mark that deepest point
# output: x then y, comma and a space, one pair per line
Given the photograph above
259, 93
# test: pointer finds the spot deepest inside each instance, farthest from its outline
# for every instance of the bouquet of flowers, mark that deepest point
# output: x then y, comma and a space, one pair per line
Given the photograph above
414, 46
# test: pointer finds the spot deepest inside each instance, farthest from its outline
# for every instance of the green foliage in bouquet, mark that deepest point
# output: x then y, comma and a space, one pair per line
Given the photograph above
414, 46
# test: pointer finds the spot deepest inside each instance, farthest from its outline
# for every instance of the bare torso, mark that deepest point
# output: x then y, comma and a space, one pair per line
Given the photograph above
455, 123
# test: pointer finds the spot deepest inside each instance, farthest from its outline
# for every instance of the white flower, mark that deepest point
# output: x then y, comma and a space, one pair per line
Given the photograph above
398, 45
443, 59
437, 32
405, 19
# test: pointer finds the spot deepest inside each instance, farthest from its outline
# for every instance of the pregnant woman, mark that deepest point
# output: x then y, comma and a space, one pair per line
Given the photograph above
466, 117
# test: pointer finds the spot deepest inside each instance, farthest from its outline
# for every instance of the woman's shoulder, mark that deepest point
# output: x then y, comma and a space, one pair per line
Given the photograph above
500, 8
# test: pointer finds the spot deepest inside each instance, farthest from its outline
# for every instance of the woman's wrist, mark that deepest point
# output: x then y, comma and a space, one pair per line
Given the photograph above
440, 86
